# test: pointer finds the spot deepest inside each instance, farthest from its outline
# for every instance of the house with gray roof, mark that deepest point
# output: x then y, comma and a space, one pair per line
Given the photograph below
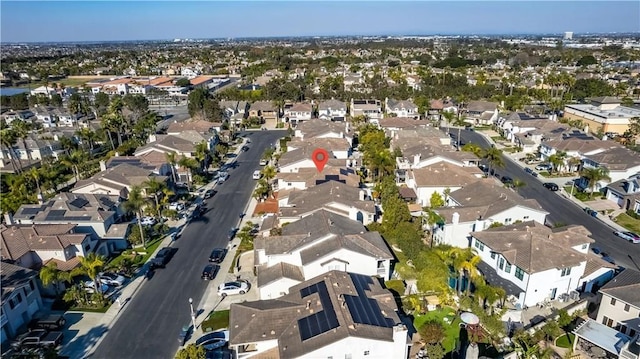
333, 110
297, 113
535, 263
316, 244
620, 303
625, 193
475, 207
118, 180
309, 177
439, 177
34, 245
333, 315
21, 299
401, 108
621, 162
333, 196
481, 112
318, 128
369, 108
294, 160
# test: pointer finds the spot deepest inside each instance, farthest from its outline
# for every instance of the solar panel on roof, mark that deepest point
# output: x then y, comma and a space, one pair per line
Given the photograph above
365, 310
319, 322
79, 202
31, 210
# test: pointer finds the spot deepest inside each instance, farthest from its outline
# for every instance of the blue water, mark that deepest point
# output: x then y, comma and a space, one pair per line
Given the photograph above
10, 91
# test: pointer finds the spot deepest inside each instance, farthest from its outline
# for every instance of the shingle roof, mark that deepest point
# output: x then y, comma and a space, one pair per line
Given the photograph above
281, 270
332, 104
443, 174
625, 287
13, 277
340, 294
313, 198
19, 240
312, 177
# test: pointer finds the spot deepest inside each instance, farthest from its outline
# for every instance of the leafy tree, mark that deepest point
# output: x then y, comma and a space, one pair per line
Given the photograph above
595, 175
436, 200
431, 332
587, 60
435, 350
137, 104
56, 100
192, 351
74, 160
584, 88
183, 82
90, 266
101, 102
51, 275
134, 204
155, 188
493, 157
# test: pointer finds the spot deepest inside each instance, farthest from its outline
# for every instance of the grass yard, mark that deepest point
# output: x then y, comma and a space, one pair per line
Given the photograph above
565, 341
452, 330
628, 222
67, 82
216, 320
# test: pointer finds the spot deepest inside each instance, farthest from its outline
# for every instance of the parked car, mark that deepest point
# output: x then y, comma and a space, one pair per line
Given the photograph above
38, 338
111, 279
244, 148
209, 272
222, 177
596, 250
162, 258
232, 288
232, 233
629, 236
608, 259
551, 186
90, 288
263, 162
543, 167
176, 206
217, 255
591, 212
213, 341
148, 221
49, 322
184, 334
209, 193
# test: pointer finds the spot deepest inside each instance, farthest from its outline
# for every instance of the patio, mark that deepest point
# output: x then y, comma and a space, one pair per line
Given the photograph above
599, 341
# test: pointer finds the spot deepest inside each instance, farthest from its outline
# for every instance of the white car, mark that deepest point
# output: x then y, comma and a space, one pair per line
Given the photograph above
88, 286
111, 279
543, 167
176, 206
231, 288
263, 162
148, 221
223, 176
629, 236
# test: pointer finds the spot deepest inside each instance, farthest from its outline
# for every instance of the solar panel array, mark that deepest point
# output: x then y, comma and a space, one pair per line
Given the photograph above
321, 321
363, 309
31, 210
79, 202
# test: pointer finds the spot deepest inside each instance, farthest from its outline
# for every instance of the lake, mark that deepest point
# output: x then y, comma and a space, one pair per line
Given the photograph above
10, 91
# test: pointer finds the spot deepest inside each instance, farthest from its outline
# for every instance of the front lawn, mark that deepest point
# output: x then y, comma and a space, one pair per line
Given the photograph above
452, 330
628, 222
216, 320
565, 341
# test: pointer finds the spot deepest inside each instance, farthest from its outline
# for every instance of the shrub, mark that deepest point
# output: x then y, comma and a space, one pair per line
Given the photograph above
396, 286
431, 332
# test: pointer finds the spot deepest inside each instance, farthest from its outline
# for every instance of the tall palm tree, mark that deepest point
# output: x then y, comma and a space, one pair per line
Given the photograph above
557, 160
35, 174
21, 130
593, 175
493, 157
154, 187
51, 275
202, 154
135, 203
91, 266
7, 140
190, 164
269, 172
74, 160
173, 161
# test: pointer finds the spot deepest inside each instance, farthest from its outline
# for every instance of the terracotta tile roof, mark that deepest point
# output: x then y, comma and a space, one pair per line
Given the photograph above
200, 79
64, 266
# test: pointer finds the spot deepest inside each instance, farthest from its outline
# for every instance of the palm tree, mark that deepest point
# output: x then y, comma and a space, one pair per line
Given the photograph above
593, 175
190, 164
91, 265
51, 275
493, 157
8, 139
202, 154
473, 148
269, 172
173, 161
154, 187
21, 130
557, 160
135, 203
74, 160
449, 116
35, 174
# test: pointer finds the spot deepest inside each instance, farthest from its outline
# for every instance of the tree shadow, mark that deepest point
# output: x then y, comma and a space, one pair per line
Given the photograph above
80, 346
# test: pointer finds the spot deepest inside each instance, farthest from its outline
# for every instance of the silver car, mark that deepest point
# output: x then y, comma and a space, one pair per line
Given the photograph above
232, 288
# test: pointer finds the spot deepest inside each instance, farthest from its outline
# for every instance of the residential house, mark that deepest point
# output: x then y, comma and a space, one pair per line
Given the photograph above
477, 206
309, 177
533, 262
415, 82
318, 128
190, 72
10, 116
390, 124
233, 108
604, 114
333, 110
340, 148
44, 91
34, 147
20, 299
482, 112
297, 113
625, 193
34, 245
118, 180
333, 315
620, 161
434, 112
95, 214
204, 128
332, 196
318, 243
265, 111
438, 178
401, 108
370, 109
203, 82
620, 303
574, 145
293, 160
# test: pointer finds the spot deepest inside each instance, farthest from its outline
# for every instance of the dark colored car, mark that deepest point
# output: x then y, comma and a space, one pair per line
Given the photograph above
506, 180
49, 322
591, 212
213, 341
232, 233
551, 186
162, 258
184, 334
209, 193
217, 255
209, 272
38, 338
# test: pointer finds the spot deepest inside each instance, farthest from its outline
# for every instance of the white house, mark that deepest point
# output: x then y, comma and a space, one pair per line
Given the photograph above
371, 109
332, 109
340, 148
621, 162
439, 177
318, 243
620, 303
298, 113
334, 315
401, 108
477, 206
532, 262
309, 177
625, 193
293, 160
318, 128
20, 299
43, 90
189, 72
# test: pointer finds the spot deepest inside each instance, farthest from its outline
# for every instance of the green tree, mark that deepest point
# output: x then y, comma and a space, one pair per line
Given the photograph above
51, 275
172, 161
90, 265
183, 82
135, 203
21, 130
493, 157
593, 175
436, 200
431, 332
74, 160
192, 351
155, 188
435, 351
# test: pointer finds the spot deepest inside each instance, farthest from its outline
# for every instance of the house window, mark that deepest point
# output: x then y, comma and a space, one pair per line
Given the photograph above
479, 245
613, 301
605, 320
87, 247
11, 303
632, 333
525, 217
565, 272
584, 246
19, 298
501, 263
31, 285
519, 273
623, 328
507, 220
493, 255
626, 307
507, 268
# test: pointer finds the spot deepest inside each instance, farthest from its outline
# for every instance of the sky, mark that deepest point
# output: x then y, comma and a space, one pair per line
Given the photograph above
96, 20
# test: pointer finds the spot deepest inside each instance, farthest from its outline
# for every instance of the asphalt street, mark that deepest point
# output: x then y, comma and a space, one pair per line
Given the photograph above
150, 326
563, 211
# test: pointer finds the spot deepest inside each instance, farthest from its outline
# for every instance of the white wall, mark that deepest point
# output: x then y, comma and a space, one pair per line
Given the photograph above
355, 263
29, 303
616, 312
259, 348
356, 347
284, 185
276, 289
424, 193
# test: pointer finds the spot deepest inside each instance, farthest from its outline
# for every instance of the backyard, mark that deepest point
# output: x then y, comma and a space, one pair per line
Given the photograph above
452, 331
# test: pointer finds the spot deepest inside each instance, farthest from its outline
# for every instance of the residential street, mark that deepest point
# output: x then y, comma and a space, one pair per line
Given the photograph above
150, 326
562, 210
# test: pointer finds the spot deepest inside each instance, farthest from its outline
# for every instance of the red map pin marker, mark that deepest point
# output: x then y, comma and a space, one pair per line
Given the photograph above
320, 158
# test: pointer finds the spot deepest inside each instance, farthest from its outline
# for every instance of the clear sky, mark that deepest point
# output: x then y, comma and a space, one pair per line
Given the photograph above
40, 21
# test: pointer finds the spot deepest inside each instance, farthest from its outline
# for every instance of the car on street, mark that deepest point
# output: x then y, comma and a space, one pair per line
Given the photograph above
162, 258
591, 212
263, 162
629, 236
209, 272
217, 255
90, 288
213, 341
209, 193
551, 186
596, 250
543, 167
111, 279
222, 177
244, 148
233, 288
232, 233
49, 322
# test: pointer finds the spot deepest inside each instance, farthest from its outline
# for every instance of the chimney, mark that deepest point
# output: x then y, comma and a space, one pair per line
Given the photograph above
455, 218
103, 165
116, 154
152, 138
8, 219
416, 159
361, 195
